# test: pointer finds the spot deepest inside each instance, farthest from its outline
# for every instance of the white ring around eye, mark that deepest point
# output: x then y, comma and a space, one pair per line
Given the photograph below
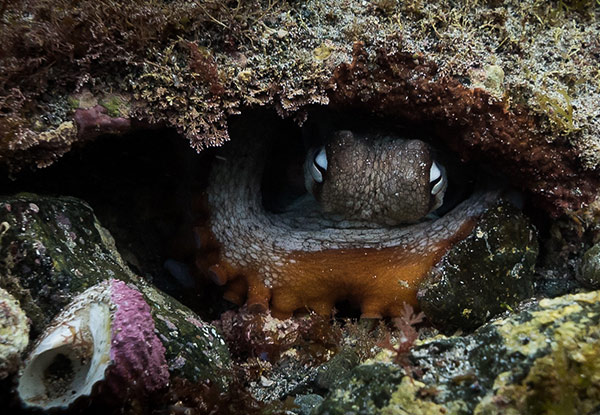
313, 173
434, 172
439, 186
321, 159
316, 173
438, 191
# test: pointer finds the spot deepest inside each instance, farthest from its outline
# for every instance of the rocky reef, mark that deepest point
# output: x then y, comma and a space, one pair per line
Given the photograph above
540, 360
450, 150
14, 334
76, 290
489, 271
521, 98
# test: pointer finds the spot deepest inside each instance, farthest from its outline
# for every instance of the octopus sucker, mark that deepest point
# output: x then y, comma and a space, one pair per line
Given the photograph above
307, 258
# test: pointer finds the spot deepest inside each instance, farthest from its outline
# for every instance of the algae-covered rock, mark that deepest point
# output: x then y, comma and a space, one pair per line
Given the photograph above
520, 99
542, 360
14, 334
488, 272
306, 403
367, 390
590, 267
337, 368
194, 349
53, 249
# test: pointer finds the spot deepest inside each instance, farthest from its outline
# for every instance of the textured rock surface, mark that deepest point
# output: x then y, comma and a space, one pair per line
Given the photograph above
54, 248
14, 334
541, 360
521, 98
483, 275
590, 267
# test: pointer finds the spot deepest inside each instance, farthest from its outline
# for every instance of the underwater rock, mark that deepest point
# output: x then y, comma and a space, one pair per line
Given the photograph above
497, 101
483, 275
367, 389
14, 334
590, 267
337, 368
542, 358
54, 248
306, 403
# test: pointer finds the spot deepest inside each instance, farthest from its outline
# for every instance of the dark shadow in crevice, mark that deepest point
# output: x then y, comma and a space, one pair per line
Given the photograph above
143, 187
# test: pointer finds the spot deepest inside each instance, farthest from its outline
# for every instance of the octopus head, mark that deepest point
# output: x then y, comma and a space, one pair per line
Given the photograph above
381, 179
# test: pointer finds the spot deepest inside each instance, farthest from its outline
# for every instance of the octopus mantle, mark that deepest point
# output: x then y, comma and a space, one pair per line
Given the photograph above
302, 260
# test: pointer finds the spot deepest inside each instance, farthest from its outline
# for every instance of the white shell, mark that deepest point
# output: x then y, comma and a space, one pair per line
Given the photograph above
72, 355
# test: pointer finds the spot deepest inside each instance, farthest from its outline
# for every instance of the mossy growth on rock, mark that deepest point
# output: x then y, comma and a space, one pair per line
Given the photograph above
589, 274
488, 272
542, 360
564, 381
54, 248
192, 65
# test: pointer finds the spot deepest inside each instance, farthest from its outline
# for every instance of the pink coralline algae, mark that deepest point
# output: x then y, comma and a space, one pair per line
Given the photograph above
95, 121
133, 325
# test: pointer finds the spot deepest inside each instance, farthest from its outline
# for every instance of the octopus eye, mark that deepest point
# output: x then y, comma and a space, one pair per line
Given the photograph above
438, 183
319, 165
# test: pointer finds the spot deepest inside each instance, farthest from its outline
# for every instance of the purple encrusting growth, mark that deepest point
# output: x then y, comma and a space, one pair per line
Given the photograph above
133, 327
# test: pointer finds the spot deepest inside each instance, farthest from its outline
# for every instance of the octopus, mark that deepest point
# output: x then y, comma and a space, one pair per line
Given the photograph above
366, 232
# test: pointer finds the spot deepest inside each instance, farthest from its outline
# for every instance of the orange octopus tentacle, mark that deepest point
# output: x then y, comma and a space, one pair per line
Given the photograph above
258, 294
236, 291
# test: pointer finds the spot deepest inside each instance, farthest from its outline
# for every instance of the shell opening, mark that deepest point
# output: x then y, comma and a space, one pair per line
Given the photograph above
69, 360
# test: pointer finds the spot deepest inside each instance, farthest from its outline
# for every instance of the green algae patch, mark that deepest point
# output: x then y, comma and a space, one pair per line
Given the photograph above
565, 381
405, 401
488, 272
543, 359
116, 106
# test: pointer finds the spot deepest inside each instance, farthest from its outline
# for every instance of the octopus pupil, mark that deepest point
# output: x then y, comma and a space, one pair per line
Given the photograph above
320, 161
434, 182
319, 168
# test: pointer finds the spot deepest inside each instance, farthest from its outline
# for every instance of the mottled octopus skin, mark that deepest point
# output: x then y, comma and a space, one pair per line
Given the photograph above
392, 186
302, 260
